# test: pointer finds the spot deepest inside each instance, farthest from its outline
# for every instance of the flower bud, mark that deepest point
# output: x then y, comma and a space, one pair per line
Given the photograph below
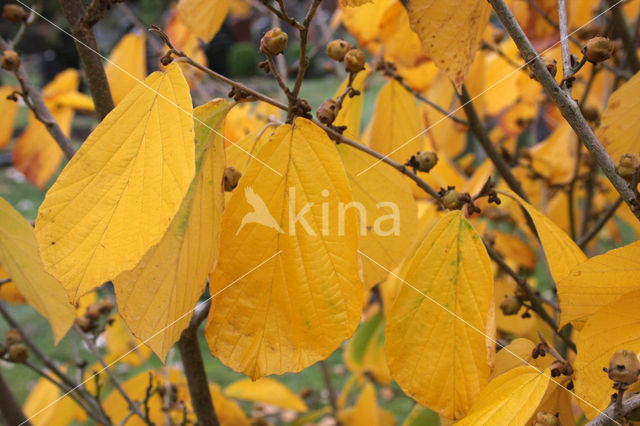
336, 49
327, 111
546, 419
10, 60
18, 352
550, 64
105, 306
92, 312
12, 337
598, 49
627, 165
274, 42
454, 200
354, 60
510, 305
84, 323
423, 161
14, 13
231, 178
624, 368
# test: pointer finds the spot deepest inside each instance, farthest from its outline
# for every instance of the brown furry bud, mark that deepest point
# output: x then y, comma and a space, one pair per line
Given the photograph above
454, 200
231, 178
327, 111
354, 60
12, 337
14, 13
627, 165
274, 42
546, 419
598, 49
10, 60
510, 305
336, 49
624, 367
105, 306
423, 161
84, 323
92, 312
18, 352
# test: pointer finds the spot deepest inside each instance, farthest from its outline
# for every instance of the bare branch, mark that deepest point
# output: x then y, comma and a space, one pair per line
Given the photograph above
9, 407
609, 415
622, 29
588, 236
567, 66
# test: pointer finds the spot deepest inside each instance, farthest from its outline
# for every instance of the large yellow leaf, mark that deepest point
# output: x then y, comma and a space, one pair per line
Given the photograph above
439, 320
510, 399
614, 326
599, 281
43, 407
9, 110
450, 32
122, 346
266, 390
289, 263
119, 193
19, 257
561, 252
387, 212
157, 297
620, 128
396, 124
203, 17
363, 21
127, 65
401, 44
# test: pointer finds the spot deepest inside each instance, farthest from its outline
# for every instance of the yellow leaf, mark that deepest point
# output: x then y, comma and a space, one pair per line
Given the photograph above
203, 17
509, 399
127, 65
118, 194
157, 297
396, 124
9, 292
122, 346
516, 354
266, 390
366, 412
556, 157
620, 129
351, 112
614, 326
400, 43
364, 352
362, 21
239, 155
561, 252
9, 110
296, 278
354, 3
19, 257
558, 401
514, 249
436, 330
228, 412
74, 100
42, 406
598, 282
450, 32
387, 212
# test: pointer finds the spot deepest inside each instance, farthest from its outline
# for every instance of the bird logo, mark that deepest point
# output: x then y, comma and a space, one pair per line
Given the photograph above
260, 213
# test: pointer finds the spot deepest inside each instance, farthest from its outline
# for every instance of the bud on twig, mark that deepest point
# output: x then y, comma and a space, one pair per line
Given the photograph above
14, 13
627, 166
10, 60
18, 352
598, 49
231, 178
12, 337
274, 42
624, 368
454, 200
546, 419
423, 161
327, 111
337, 49
354, 60
510, 305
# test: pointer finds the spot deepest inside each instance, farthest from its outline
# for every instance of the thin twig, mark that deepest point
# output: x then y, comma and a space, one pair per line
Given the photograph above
304, 60
567, 106
567, 66
610, 415
326, 376
622, 29
114, 380
588, 236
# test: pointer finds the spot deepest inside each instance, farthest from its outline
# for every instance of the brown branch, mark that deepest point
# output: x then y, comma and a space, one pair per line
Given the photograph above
326, 376
567, 106
588, 236
194, 369
478, 129
532, 295
610, 416
9, 407
87, 47
33, 100
567, 66
622, 29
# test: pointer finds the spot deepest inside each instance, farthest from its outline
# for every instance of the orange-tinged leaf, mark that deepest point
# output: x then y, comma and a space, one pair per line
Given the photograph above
514, 249
509, 399
118, 194
20, 259
362, 21
266, 390
42, 406
387, 212
400, 43
203, 17
9, 110
439, 320
561, 252
127, 65
396, 125
228, 412
555, 158
10, 293
157, 297
598, 282
620, 129
614, 326
450, 32
296, 277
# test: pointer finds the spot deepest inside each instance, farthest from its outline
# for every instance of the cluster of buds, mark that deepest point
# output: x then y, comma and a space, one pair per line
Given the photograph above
511, 304
14, 13
544, 418
561, 368
628, 166
231, 178
13, 349
354, 59
274, 42
92, 314
423, 161
624, 368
